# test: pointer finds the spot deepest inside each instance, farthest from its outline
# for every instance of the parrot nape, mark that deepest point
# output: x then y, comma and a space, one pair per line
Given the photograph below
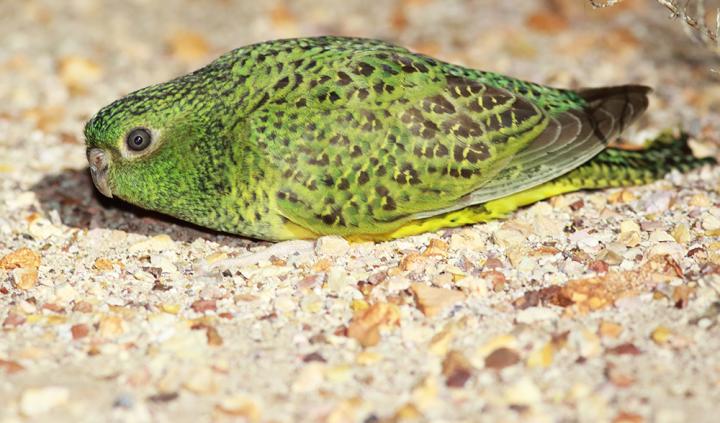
299, 138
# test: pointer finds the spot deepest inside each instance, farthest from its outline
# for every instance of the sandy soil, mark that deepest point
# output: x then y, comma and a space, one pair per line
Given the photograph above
598, 306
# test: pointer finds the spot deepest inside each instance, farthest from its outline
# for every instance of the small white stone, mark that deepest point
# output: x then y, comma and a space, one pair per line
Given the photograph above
156, 243
672, 249
541, 209
164, 263
661, 236
312, 303
547, 226
508, 237
36, 401
473, 285
333, 246
241, 405
629, 226
657, 202
201, 381
523, 392
42, 229
338, 280
527, 264
21, 200
310, 378
186, 343
285, 304
467, 239
65, 293
586, 342
397, 283
536, 314
585, 241
710, 222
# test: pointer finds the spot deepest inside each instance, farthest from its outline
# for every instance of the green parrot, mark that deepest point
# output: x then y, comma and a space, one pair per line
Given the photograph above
300, 138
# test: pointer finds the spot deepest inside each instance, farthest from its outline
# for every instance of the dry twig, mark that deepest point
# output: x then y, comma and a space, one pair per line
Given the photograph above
696, 22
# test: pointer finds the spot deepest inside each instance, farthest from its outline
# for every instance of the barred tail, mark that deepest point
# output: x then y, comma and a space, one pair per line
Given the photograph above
616, 168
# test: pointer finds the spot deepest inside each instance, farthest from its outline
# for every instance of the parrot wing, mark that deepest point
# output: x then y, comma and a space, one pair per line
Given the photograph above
363, 142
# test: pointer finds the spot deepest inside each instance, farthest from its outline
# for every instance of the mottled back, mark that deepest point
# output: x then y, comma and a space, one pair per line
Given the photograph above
366, 134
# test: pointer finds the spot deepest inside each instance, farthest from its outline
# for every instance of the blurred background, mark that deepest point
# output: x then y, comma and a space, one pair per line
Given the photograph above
61, 61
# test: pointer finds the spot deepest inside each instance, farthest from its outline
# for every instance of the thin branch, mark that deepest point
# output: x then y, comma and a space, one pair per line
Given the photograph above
698, 25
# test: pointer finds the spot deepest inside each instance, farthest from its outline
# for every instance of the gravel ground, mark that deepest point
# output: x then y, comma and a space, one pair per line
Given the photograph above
596, 306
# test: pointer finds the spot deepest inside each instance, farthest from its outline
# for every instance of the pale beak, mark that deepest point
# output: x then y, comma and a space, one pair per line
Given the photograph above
98, 170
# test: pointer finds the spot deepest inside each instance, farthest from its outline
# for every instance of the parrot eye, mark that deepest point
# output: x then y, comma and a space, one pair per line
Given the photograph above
138, 139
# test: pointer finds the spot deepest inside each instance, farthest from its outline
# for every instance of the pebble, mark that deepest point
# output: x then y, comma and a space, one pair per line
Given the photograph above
629, 226
710, 222
501, 358
432, 301
507, 238
24, 278
111, 326
523, 392
630, 239
37, 401
585, 241
163, 263
657, 202
661, 236
201, 381
156, 243
500, 341
541, 357
608, 329
700, 200
587, 343
681, 233
669, 248
310, 378
472, 285
332, 246
536, 314
339, 280
457, 369
548, 226
397, 283
21, 258
365, 326
441, 341
660, 335
467, 239
43, 229
241, 405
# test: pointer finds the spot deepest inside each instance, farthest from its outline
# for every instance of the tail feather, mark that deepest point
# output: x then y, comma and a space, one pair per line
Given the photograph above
615, 167
612, 109
571, 139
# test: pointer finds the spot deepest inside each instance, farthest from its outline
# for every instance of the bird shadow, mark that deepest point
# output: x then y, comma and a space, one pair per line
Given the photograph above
73, 197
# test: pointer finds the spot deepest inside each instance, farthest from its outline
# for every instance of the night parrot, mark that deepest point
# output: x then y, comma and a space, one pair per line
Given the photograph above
300, 138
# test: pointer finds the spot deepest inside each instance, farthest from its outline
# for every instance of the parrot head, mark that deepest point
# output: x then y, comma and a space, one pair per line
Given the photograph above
151, 148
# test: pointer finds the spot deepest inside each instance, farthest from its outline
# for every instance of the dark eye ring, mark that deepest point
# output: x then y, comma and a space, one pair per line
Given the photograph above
138, 139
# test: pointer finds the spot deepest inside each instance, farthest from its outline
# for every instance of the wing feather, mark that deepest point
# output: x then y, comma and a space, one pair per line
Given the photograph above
364, 138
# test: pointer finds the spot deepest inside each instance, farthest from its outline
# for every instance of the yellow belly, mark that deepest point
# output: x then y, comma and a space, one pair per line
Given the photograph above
486, 212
